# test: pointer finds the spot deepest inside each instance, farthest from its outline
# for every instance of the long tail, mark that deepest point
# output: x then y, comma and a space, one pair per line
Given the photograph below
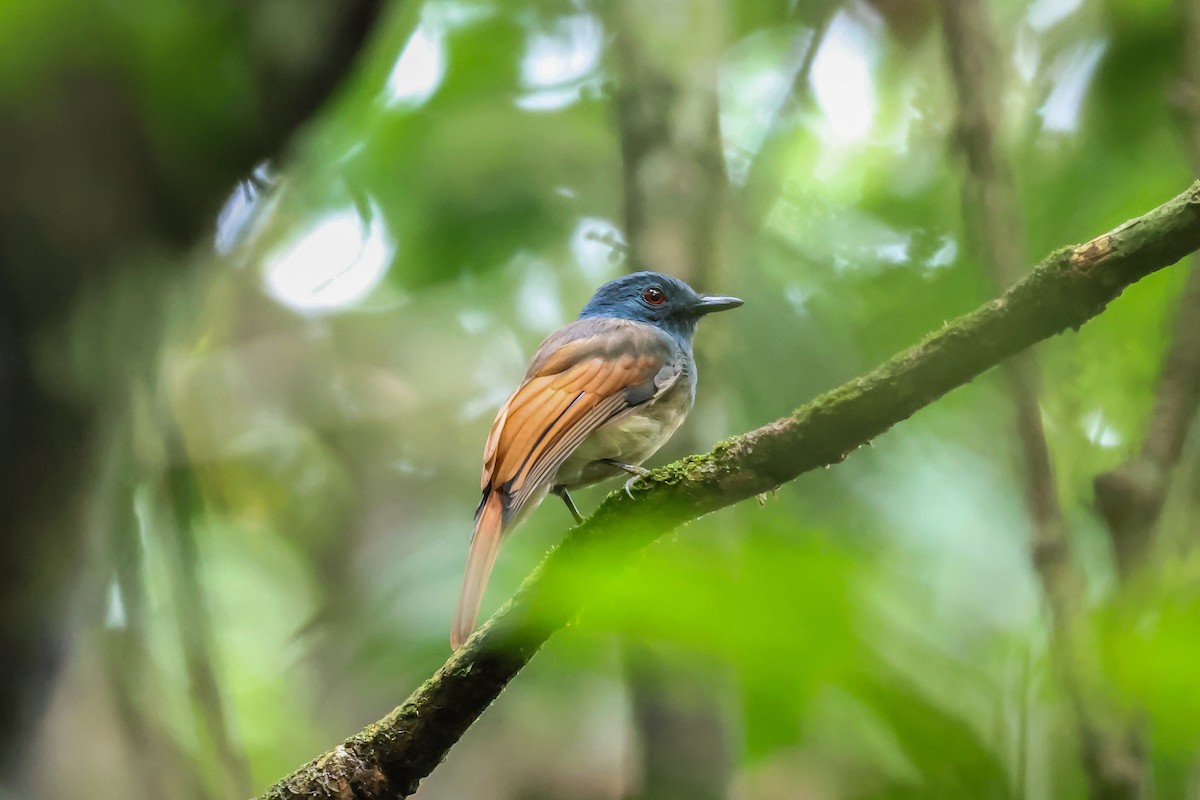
485, 544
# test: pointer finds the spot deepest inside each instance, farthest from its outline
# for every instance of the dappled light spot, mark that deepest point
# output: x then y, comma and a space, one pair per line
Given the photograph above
452, 15
473, 321
1074, 72
560, 63
847, 240
841, 76
797, 296
894, 252
538, 301
753, 86
1100, 431
420, 68
1044, 14
333, 264
114, 612
598, 246
945, 255
1026, 55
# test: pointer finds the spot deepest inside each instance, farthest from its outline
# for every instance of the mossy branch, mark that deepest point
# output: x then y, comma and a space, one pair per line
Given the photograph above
389, 758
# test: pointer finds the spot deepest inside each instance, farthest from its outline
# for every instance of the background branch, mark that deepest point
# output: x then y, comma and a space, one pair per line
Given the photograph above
674, 190
1131, 497
390, 758
996, 238
995, 233
763, 183
666, 103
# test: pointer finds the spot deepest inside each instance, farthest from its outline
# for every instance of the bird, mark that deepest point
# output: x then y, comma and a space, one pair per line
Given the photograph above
601, 395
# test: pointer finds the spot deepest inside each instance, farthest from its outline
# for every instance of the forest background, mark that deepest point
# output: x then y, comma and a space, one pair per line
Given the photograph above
267, 270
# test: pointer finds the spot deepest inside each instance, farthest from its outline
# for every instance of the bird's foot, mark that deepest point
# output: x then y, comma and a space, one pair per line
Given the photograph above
635, 473
561, 491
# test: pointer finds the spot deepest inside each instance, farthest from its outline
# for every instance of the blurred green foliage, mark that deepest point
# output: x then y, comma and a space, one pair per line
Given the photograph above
331, 371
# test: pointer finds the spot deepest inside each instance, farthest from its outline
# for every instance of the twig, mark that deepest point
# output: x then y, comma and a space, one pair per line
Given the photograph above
755, 185
154, 756
181, 497
389, 758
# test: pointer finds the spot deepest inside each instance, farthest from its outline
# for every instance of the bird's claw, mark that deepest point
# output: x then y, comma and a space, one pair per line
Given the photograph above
629, 485
635, 473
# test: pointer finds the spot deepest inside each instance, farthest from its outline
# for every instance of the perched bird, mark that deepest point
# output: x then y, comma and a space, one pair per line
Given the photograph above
600, 397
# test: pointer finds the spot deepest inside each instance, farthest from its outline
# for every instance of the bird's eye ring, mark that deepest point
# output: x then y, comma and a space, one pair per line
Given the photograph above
654, 296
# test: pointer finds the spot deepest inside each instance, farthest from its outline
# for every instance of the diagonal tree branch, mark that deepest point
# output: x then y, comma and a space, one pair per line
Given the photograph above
389, 758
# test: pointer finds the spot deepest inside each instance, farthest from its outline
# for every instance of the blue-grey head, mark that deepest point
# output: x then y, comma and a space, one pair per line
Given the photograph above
656, 299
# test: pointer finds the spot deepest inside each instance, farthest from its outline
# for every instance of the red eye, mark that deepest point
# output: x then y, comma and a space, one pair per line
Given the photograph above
654, 296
